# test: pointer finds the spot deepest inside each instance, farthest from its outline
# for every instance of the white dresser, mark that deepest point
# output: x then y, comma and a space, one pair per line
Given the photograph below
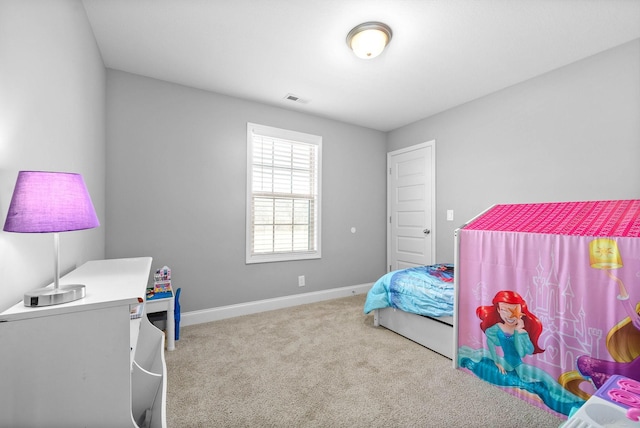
85, 363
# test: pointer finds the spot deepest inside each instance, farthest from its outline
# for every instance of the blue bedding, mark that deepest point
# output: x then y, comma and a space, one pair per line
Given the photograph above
422, 290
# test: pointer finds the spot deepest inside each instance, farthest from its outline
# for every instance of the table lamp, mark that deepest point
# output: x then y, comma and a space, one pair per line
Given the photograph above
51, 202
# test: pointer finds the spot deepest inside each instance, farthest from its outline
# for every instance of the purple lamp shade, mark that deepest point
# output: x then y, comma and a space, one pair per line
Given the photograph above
45, 202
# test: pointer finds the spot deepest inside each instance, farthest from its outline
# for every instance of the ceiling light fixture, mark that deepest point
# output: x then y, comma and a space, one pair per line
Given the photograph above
369, 39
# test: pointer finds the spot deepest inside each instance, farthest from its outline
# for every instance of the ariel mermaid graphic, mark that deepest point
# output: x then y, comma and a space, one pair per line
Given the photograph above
512, 333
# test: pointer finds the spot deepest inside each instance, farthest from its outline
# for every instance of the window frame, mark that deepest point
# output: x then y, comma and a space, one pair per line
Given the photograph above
289, 135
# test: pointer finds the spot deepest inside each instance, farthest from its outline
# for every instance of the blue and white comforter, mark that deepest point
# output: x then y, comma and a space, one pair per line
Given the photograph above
423, 290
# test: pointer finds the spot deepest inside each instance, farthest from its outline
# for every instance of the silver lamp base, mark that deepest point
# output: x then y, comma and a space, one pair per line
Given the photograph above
54, 296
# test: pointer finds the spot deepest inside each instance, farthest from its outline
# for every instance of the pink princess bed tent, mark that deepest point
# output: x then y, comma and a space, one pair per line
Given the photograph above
548, 298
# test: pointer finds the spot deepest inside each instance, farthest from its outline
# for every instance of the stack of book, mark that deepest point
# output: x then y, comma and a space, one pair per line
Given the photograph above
136, 311
161, 285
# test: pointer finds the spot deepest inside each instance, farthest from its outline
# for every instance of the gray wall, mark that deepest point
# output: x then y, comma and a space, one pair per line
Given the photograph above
175, 165
176, 185
568, 135
52, 118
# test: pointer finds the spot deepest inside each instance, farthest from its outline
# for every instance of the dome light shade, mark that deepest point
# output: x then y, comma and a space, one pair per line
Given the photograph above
368, 40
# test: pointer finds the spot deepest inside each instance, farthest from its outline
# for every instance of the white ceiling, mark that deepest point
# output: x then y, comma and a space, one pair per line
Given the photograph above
443, 52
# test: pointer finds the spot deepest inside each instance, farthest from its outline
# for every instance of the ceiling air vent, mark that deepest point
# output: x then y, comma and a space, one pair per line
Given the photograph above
295, 99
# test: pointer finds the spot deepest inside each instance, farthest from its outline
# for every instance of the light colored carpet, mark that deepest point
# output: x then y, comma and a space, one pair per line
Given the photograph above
325, 365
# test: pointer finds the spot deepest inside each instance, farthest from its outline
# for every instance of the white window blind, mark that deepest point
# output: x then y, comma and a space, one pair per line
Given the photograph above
283, 198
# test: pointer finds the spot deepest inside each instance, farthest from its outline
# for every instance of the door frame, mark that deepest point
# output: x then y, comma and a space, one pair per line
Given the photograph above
432, 167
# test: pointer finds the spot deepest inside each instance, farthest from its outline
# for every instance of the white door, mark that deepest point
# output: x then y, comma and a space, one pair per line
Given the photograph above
411, 206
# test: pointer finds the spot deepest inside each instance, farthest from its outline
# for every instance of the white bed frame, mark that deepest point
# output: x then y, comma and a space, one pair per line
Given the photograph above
438, 334
433, 333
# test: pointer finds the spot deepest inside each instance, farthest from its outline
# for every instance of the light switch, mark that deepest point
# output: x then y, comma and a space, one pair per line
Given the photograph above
449, 215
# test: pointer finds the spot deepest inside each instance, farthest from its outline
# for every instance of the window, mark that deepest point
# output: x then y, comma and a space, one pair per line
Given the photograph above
283, 194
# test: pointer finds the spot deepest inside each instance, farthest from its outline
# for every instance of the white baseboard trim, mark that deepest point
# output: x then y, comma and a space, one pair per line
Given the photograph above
223, 312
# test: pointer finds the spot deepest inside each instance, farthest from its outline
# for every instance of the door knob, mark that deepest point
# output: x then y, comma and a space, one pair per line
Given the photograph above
426, 231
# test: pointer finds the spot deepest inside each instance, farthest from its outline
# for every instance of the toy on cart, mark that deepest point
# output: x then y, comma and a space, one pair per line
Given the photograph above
163, 274
161, 284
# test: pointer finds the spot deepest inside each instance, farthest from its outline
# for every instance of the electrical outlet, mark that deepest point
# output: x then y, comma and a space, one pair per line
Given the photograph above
301, 281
